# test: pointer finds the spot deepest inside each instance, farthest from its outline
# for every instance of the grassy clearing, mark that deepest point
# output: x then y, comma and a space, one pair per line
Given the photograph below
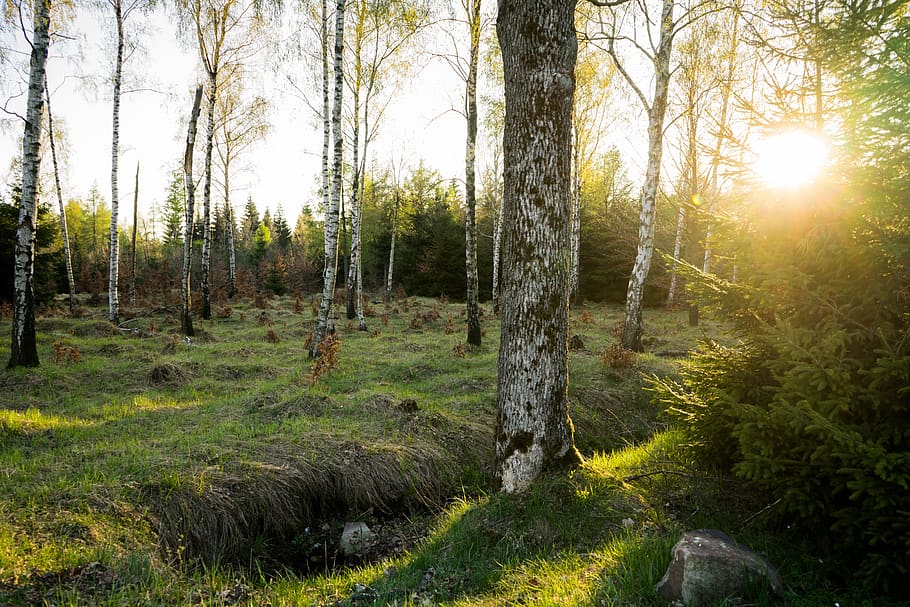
137, 468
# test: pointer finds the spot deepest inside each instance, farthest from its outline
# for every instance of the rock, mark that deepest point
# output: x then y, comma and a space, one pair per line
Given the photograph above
355, 538
363, 592
708, 566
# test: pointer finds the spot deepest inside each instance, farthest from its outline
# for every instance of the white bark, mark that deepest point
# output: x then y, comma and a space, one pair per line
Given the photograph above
186, 319
207, 191
326, 118
533, 428
353, 276
472, 10
114, 271
67, 251
133, 247
677, 250
388, 282
497, 249
323, 319
632, 328
23, 347
575, 236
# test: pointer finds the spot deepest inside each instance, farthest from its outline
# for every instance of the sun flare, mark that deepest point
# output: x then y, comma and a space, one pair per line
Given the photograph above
790, 159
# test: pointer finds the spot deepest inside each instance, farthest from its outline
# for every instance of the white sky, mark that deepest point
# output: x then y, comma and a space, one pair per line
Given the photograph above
284, 168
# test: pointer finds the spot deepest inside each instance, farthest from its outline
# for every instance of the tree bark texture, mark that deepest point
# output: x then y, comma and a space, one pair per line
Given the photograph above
133, 247
539, 50
114, 271
186, 320
24, 347
576, 215
326, 118
352, 277
207, 193
388, 281
323, 319
632, 327
497, 251
232, 254
473, 315
64, 230
677, 251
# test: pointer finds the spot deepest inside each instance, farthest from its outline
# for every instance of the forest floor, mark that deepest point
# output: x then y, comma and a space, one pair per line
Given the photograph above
141, 468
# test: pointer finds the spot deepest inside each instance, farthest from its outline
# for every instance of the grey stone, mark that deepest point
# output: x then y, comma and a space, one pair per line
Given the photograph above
355, 538
708, 566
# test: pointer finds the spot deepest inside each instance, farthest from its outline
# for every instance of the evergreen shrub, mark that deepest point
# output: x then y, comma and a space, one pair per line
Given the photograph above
813, 403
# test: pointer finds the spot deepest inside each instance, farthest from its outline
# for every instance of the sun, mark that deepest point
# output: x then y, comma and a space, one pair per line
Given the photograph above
790, 159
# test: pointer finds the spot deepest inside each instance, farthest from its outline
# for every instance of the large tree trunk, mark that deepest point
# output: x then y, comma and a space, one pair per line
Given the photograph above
24, 347
474, 332
67, 251
186, 320
539, 49
632, 327
207, 196
114, 272
323, 319
133, 247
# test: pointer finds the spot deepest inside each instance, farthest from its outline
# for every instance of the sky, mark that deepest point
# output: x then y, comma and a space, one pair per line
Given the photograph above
284, 167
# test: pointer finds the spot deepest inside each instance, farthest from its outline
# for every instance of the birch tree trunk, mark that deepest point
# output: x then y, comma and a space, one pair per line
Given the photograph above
576, 217
326, 118
114, 271
677, 251
207, 193
539, 50
352, 278
133, 247
232, 254
497, 248
323, 319
24, 347
472, 9
186, 320
632, 328
727, 89
67, 252
388, 282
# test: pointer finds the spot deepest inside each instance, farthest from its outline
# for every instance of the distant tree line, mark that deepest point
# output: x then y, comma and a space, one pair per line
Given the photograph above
278, 256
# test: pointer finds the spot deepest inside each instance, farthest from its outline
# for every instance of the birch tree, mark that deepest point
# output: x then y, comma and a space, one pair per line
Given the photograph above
323, 319
240, 123
67, 251
24, 347
186, 319
657, 54
225, 35
472, 15
533, 428
133, 244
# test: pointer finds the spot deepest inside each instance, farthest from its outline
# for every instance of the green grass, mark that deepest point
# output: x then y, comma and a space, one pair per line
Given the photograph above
154, 473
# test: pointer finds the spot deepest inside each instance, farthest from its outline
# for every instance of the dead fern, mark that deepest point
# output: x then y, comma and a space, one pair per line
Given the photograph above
63, 353
617, 358
326, 358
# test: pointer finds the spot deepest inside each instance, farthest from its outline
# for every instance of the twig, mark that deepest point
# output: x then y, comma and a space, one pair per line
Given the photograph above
636, 477
749, 518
